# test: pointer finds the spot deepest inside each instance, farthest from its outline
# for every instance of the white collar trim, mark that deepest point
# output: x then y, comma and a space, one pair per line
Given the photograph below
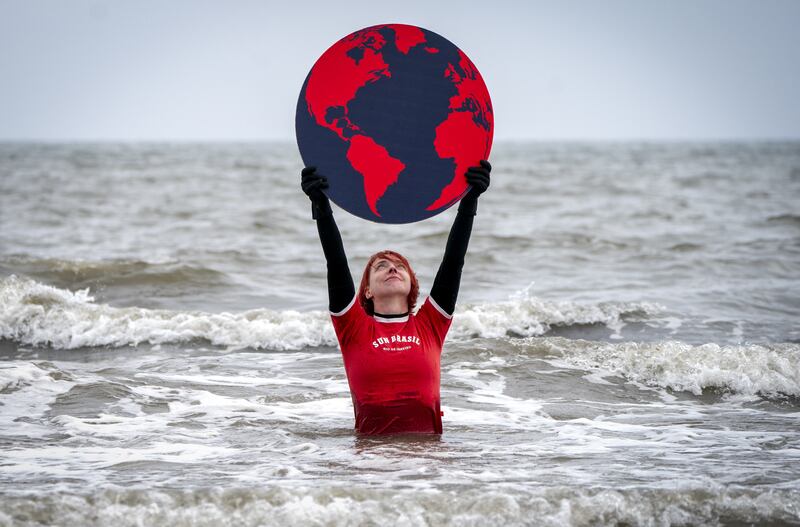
390, 320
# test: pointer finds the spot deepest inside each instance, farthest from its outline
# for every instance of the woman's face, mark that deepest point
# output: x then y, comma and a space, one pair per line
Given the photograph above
388, 278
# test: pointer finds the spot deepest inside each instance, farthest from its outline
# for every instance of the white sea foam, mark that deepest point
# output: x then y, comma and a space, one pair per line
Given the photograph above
36, 314
15, 376
525, 315
750, 369
26, 390
683, 504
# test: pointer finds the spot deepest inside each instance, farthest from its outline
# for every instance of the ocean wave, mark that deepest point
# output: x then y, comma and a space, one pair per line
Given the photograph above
525, 315
710, 504
82, 273
41, 315
788, 219
771, 370
14, 377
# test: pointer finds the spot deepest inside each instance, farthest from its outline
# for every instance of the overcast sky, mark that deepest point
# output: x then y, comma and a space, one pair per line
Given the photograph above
232, 70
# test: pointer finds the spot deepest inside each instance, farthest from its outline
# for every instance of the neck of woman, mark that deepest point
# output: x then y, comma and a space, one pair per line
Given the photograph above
394, 305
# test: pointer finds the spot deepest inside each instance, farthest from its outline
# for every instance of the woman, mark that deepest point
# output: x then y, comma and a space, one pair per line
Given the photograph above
391, 356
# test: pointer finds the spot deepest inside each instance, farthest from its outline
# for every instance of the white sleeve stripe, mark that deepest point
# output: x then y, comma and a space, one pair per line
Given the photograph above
345, 310
439, 309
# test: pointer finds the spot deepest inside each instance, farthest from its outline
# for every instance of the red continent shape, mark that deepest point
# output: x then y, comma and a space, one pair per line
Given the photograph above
334, 82
336, 77
406, 37
459, 137
378, 169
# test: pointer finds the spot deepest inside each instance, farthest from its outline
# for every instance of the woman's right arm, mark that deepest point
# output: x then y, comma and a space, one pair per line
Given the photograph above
340, 282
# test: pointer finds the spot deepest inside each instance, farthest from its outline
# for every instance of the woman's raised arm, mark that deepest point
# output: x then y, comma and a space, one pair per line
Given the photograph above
448, 278
340, 282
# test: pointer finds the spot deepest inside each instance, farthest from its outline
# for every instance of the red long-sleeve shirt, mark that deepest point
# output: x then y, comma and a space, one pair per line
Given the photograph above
392, 367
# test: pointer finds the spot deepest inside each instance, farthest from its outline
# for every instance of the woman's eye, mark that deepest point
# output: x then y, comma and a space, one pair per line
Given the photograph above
384, 266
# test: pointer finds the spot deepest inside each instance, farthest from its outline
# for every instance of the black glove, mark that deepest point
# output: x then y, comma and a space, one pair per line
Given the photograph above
313, 185
478, 178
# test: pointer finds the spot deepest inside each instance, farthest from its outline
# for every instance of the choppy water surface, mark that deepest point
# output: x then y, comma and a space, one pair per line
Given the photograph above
625, 349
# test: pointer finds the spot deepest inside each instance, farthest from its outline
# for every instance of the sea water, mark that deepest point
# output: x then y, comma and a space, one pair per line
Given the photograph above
625, 349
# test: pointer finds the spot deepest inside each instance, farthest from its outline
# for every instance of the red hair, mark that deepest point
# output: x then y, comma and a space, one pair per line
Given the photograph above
392, 256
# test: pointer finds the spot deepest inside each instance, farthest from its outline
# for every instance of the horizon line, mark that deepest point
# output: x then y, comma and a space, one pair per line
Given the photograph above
54, 141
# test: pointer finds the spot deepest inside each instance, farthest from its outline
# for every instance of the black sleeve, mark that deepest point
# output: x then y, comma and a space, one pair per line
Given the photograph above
340, 283
445, 286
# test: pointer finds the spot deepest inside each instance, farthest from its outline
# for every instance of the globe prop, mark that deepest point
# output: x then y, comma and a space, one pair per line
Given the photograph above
393, 115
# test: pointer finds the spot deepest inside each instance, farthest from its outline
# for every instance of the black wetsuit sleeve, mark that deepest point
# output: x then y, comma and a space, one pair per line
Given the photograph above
445, 286
340, 283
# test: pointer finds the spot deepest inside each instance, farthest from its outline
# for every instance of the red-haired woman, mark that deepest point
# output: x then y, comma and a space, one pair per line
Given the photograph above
391, 356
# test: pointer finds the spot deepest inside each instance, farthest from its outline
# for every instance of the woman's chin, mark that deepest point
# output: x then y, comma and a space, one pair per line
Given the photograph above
394, 289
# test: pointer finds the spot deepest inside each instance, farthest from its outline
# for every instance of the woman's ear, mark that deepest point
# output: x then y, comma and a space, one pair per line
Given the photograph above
367, 294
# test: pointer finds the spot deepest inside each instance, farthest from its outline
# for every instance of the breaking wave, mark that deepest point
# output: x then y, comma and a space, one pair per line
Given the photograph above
711, 504
771, 369
36, 314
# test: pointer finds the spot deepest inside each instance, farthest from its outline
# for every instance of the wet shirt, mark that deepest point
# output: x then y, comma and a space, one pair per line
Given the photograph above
393, 367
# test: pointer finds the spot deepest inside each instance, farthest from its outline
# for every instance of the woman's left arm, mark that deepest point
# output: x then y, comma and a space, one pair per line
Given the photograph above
448, 278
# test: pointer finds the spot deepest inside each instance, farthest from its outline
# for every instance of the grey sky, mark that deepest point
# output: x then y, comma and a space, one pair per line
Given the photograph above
194, 70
